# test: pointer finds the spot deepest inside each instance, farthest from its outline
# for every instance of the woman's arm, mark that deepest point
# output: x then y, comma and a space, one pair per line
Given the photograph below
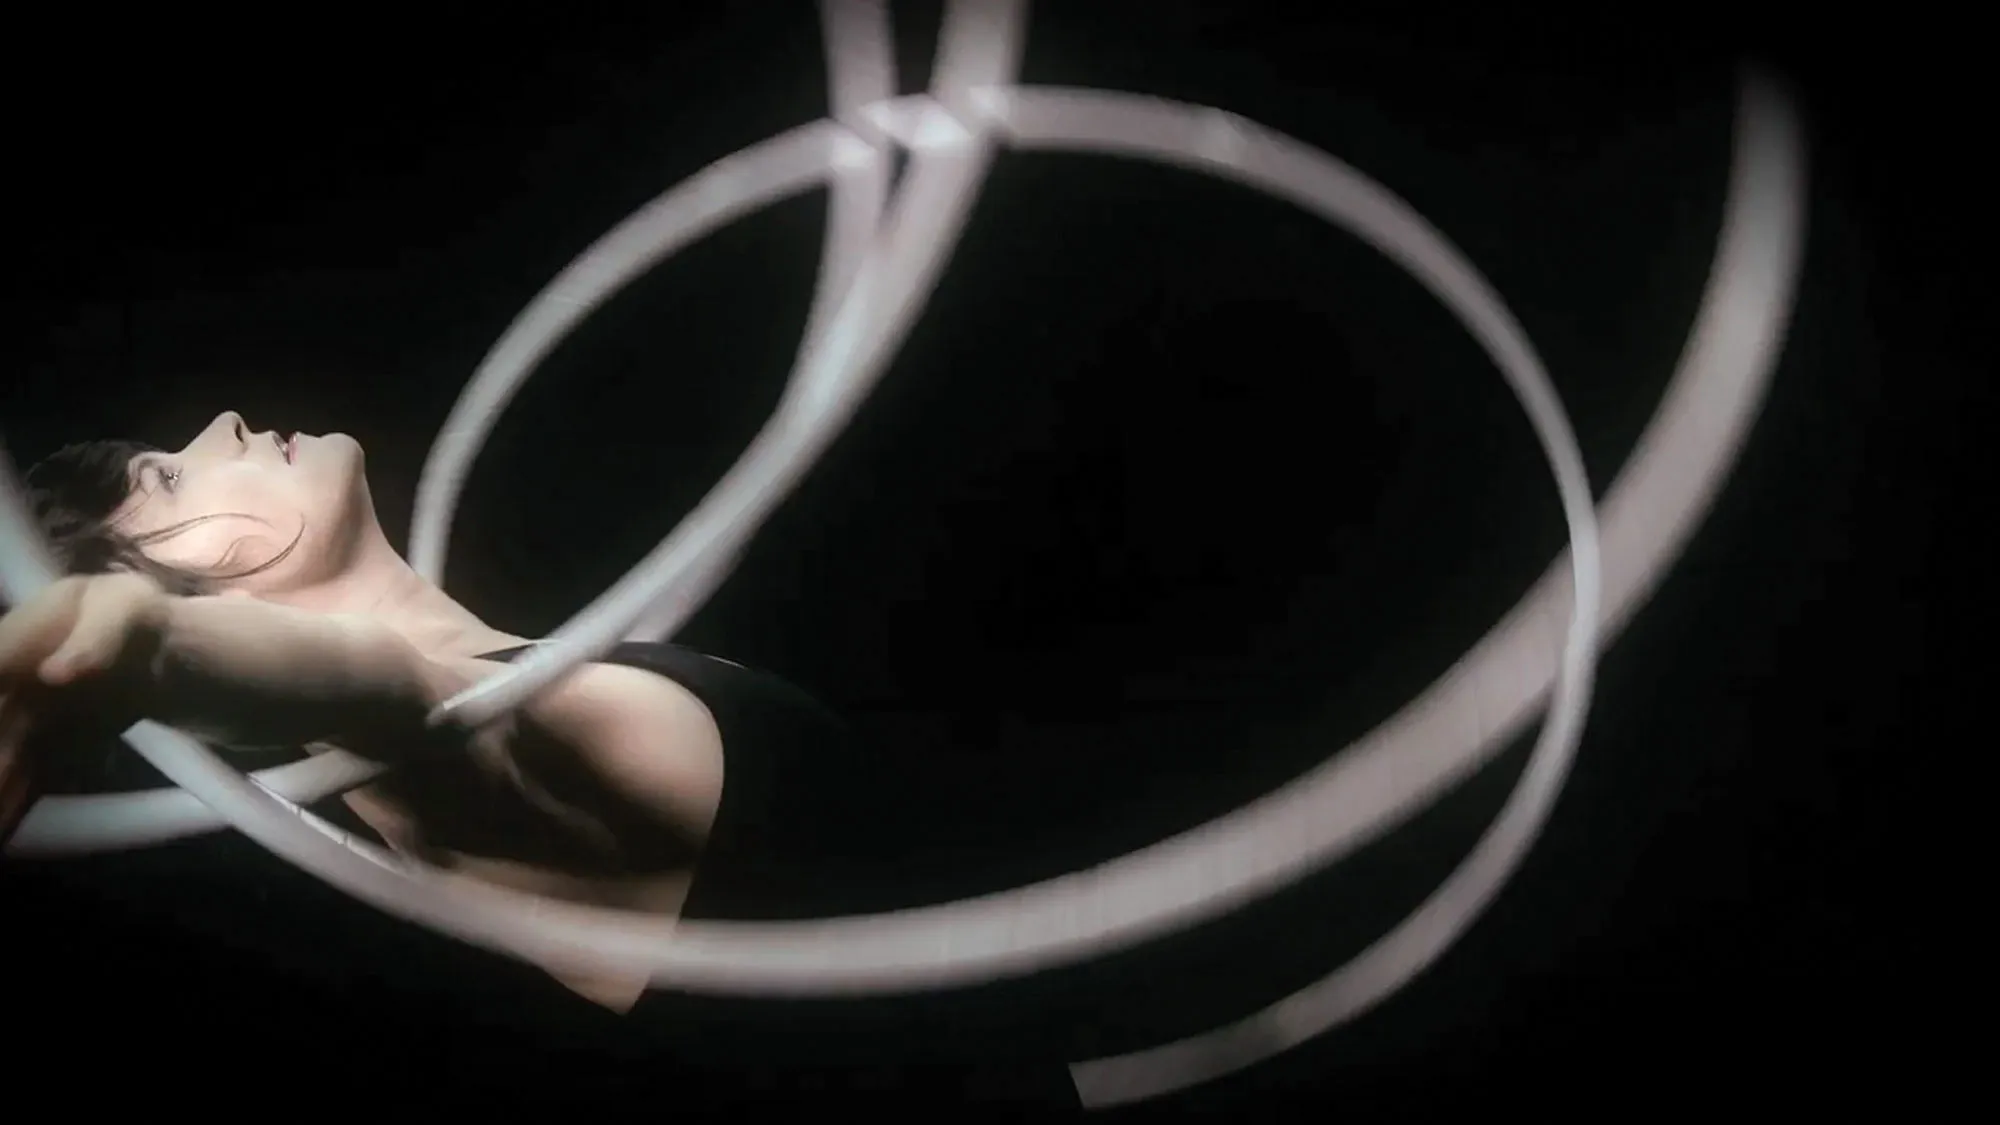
241, 672
247, 673
94, 655
105, 651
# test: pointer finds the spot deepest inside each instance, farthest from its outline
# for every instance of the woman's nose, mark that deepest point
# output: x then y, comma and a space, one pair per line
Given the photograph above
226, 432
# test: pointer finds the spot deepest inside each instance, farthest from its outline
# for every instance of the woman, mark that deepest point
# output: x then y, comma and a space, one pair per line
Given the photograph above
243, 590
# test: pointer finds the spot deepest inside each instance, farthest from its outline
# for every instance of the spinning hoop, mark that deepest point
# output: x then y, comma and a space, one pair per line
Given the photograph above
882, 256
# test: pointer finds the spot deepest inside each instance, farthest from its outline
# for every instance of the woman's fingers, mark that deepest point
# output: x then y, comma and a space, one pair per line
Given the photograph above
79, 625
30, 632
103, 621
56, 653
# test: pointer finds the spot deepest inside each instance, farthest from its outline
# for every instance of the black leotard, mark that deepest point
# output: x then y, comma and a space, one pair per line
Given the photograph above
789, 762
776, 740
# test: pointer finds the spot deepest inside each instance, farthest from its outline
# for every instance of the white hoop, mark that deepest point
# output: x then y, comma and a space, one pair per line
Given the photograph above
1201, 873
1675, 472
1171, 133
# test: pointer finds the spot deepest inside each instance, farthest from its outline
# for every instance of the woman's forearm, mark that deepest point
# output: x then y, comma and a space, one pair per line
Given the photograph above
241, 673
248, 673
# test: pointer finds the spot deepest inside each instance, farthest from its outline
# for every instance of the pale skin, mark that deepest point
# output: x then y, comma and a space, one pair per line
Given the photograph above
601, 791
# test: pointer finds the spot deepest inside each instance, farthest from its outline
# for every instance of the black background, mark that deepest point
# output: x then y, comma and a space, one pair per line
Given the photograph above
1171, 492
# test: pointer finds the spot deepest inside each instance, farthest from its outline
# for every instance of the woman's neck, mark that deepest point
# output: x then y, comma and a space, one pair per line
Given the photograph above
379, 584
429, 619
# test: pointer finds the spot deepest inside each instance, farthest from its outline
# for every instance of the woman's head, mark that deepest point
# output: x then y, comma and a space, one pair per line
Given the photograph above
233, 511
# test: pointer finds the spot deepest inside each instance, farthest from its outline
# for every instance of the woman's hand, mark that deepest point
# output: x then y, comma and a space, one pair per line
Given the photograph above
58, 655
80, 628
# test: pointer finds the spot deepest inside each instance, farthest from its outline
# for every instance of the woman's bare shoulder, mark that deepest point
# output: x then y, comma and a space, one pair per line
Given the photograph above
597, 695
646, 735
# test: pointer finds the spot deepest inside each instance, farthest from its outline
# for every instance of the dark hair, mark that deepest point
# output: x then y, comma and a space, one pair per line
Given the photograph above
76, 491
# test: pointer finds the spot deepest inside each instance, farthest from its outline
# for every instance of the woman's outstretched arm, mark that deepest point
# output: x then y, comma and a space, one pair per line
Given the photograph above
105, 651
246, 673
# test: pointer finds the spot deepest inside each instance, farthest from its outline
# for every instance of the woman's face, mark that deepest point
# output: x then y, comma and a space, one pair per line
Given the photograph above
254, 492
